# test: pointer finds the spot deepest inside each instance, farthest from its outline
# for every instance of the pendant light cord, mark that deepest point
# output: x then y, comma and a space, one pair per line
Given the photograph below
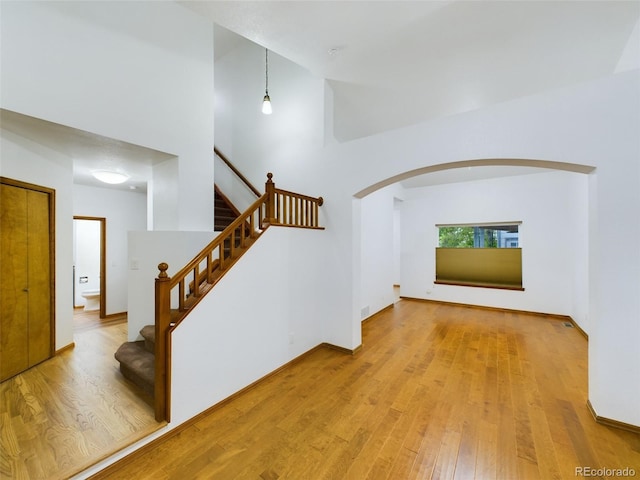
266, 71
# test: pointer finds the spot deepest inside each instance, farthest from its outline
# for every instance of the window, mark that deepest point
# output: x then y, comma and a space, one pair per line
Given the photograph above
480, 255
478, 236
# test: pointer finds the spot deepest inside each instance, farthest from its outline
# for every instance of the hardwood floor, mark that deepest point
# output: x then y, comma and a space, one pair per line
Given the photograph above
73, 410
437, 391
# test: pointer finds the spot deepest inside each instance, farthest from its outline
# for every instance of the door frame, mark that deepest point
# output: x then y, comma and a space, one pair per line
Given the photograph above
51, 194
103, 261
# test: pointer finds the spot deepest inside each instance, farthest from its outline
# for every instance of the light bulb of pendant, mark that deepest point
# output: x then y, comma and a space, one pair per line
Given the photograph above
266, 105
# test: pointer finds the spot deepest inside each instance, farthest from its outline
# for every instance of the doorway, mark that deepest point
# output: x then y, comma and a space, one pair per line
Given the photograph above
89, 263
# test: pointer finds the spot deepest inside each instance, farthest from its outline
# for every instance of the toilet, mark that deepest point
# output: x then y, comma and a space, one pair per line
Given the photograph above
92, 300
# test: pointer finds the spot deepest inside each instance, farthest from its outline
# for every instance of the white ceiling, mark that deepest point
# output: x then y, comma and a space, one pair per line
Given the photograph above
88, 150
418, 60
414, 60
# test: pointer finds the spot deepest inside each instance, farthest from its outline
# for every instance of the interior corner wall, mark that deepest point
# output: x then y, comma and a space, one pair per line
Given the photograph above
124, 211
139, 72
165, 194
376, 251
30, 162
553, 229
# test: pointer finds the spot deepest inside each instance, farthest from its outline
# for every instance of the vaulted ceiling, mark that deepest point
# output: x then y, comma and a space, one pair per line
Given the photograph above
417, 60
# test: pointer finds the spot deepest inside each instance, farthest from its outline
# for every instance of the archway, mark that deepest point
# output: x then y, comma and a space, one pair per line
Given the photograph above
542, 251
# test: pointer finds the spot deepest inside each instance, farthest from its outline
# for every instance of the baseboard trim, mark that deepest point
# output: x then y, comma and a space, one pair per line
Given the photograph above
71, 346
379, 312
577, 327
612, 423
348, 351
112, 469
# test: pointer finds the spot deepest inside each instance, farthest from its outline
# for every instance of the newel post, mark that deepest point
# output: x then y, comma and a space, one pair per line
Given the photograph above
163, 321
270, 190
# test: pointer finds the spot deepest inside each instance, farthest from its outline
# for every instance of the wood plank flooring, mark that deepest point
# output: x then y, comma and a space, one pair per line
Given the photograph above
437, 392
73, 410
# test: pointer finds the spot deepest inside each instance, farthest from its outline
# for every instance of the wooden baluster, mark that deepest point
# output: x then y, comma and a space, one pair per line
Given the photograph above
318, 204
271, 199
281, 208
196, 281
232, 244
181, 295
162, 324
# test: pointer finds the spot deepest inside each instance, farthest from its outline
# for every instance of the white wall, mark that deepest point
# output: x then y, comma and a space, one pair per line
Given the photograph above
552, 208
281, 142
30, 162
147, 249
141, 72
397, 241
124, 211
267, 310
377, 250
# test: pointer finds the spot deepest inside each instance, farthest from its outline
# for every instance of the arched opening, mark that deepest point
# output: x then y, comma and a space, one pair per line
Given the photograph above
551, 199
505, 163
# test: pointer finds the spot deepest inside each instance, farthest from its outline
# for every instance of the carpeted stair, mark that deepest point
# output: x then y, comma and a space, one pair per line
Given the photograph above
137, 360
224, 212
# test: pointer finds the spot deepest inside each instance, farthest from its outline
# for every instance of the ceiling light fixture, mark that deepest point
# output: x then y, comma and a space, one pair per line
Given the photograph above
266, 101
110, 176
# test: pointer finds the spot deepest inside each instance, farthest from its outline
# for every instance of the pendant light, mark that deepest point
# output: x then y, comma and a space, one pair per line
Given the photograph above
266, 101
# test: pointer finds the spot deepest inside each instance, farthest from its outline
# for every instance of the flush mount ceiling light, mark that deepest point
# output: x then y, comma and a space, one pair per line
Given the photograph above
112, 177
266, 101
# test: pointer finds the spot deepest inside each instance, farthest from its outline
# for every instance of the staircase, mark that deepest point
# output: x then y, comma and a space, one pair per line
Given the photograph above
147, 362
137, 359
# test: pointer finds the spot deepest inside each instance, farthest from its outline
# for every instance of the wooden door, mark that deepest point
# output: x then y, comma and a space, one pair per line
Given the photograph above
26, 291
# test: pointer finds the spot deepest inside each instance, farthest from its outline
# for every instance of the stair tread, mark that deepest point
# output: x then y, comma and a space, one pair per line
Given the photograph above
137, 359
148, 332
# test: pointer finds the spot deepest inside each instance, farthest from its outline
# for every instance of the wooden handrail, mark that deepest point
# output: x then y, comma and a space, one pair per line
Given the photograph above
177, 295
236, 171
256, 207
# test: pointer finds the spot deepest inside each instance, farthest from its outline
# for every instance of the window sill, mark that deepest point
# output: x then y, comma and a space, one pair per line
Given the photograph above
480, 285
